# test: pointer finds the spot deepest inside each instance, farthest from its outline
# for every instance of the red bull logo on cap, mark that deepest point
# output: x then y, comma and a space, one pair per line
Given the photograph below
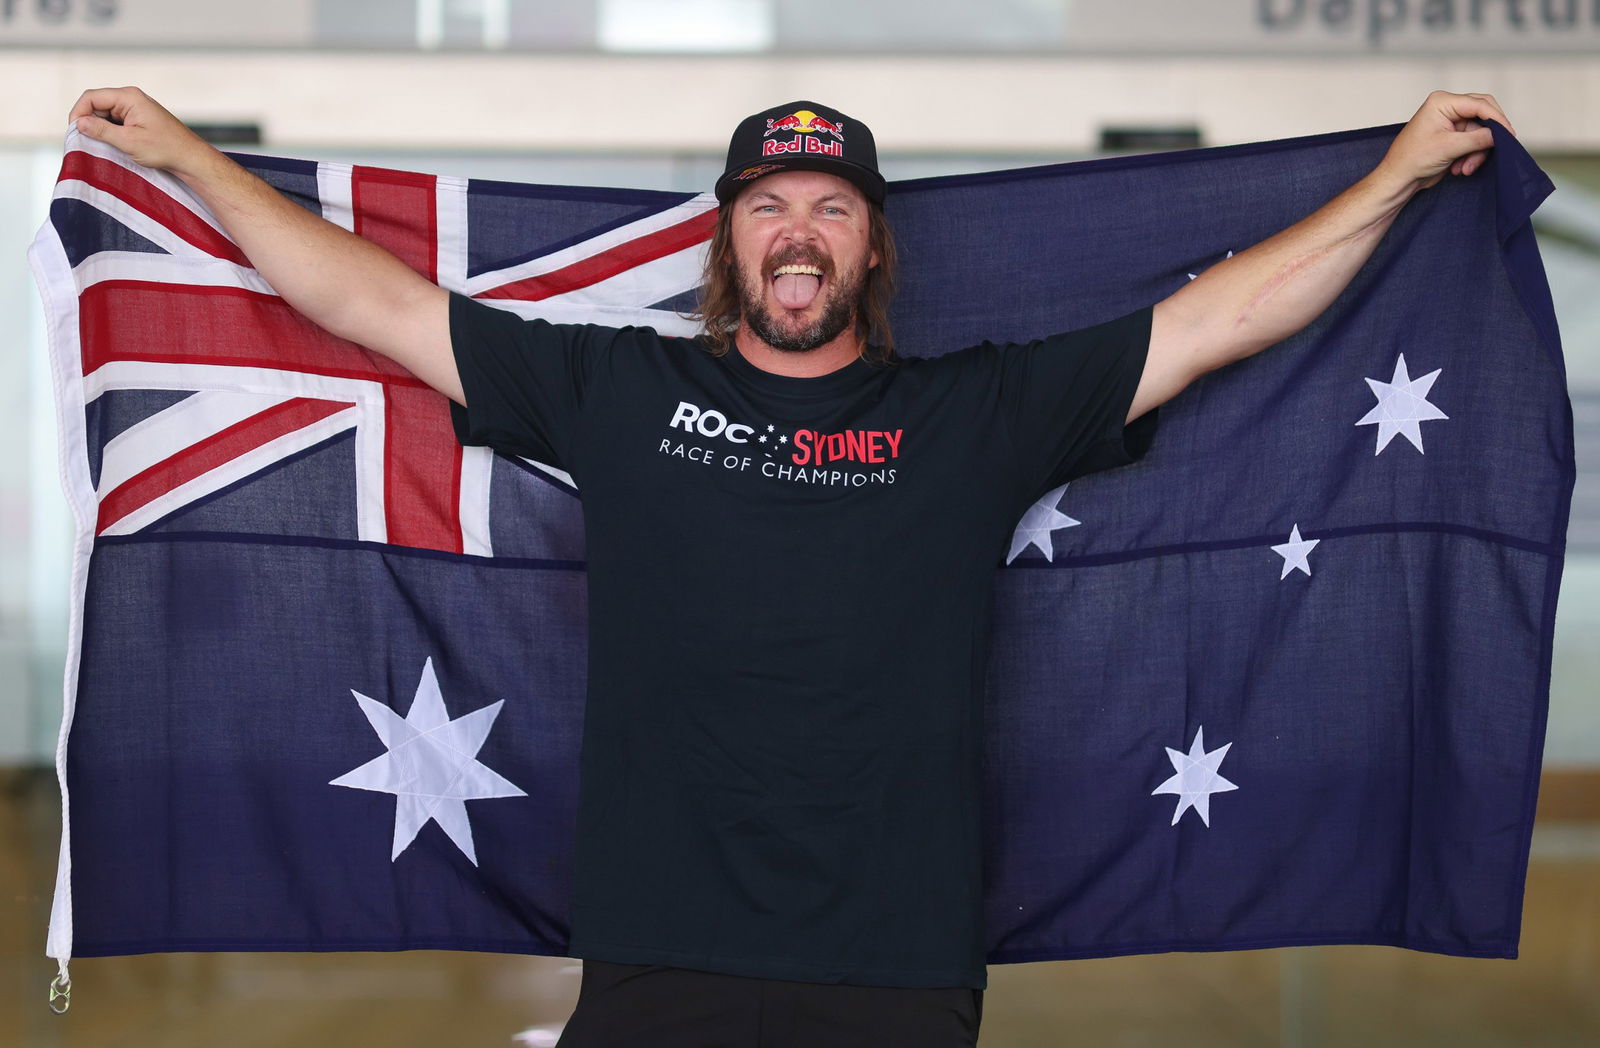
807, 139
802, 144
807, 122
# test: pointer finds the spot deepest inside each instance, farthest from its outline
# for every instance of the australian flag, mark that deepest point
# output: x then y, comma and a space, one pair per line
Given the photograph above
1282, 682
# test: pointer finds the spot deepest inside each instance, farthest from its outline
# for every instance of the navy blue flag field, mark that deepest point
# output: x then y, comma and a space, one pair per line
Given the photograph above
1283, 682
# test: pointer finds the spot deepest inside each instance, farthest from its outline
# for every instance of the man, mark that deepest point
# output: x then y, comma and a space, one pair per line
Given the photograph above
778, 831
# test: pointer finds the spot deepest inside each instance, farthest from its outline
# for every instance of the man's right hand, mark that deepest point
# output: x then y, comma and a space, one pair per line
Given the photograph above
138, 125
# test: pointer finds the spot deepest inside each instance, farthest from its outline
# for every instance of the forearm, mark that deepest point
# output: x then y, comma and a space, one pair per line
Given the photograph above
1261, 296
322, 270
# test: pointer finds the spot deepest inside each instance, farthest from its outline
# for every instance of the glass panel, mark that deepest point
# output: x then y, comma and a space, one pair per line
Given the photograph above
366, 23
956, 25
687, 25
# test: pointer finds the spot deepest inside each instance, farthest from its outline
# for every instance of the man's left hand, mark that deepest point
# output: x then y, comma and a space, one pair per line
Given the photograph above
1445, 135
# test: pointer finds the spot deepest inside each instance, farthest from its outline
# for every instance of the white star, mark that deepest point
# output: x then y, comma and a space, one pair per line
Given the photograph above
431, 765
1196, 779
769, 427
1295, 553
782, 439
1402, 406
762, 438
1037, 523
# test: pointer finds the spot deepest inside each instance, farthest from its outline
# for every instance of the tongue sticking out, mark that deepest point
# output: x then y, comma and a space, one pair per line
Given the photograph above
796, 290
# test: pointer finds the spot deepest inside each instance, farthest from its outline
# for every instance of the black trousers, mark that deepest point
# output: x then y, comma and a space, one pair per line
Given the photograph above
648, 1006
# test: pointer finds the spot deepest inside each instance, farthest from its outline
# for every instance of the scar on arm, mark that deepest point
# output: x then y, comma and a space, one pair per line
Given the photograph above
1292, 269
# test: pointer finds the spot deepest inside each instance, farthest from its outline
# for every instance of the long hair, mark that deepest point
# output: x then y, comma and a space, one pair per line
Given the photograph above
718, 309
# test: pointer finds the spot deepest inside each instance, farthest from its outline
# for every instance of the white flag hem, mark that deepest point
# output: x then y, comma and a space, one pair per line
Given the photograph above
48, 259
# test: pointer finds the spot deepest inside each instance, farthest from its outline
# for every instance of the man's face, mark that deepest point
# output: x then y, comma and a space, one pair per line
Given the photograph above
800, 255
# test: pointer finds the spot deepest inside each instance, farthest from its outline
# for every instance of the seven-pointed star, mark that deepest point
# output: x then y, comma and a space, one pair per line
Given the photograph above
1295, 553
431, 767
1196, 779
1402, 406
1038, 522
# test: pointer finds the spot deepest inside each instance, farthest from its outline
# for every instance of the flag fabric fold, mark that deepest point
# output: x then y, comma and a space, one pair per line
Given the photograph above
1283, 682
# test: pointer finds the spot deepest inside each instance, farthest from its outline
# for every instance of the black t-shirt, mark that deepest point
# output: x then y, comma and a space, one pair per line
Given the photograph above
789, 603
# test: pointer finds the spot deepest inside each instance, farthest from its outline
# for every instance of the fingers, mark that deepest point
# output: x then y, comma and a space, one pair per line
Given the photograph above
102, 130
84, 106
96, 102
1491, 111
108, 103
1479, 137
1474, 106
1466, 114
1466, 165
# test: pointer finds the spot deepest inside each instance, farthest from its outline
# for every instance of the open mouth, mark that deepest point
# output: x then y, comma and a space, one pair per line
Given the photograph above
797, 285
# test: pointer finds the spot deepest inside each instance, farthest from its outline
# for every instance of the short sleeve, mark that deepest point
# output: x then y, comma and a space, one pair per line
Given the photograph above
1064, 399
525, 380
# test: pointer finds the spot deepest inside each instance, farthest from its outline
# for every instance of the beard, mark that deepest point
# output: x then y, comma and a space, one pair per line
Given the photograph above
838, 308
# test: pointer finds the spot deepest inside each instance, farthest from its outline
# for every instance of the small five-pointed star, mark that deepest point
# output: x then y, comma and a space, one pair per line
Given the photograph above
1196, 779
431, 765
1402, 406
1038, 522
1296, 553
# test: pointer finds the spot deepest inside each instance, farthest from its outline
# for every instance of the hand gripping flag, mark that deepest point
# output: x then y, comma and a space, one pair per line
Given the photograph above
1283, 682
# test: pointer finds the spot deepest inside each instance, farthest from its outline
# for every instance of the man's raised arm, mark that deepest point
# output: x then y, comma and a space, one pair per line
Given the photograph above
349, 286
1260, 297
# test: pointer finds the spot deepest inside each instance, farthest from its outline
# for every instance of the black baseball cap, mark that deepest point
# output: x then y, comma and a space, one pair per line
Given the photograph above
801, 136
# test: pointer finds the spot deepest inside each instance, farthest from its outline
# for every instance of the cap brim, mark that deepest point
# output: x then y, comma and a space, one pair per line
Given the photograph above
868, 181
